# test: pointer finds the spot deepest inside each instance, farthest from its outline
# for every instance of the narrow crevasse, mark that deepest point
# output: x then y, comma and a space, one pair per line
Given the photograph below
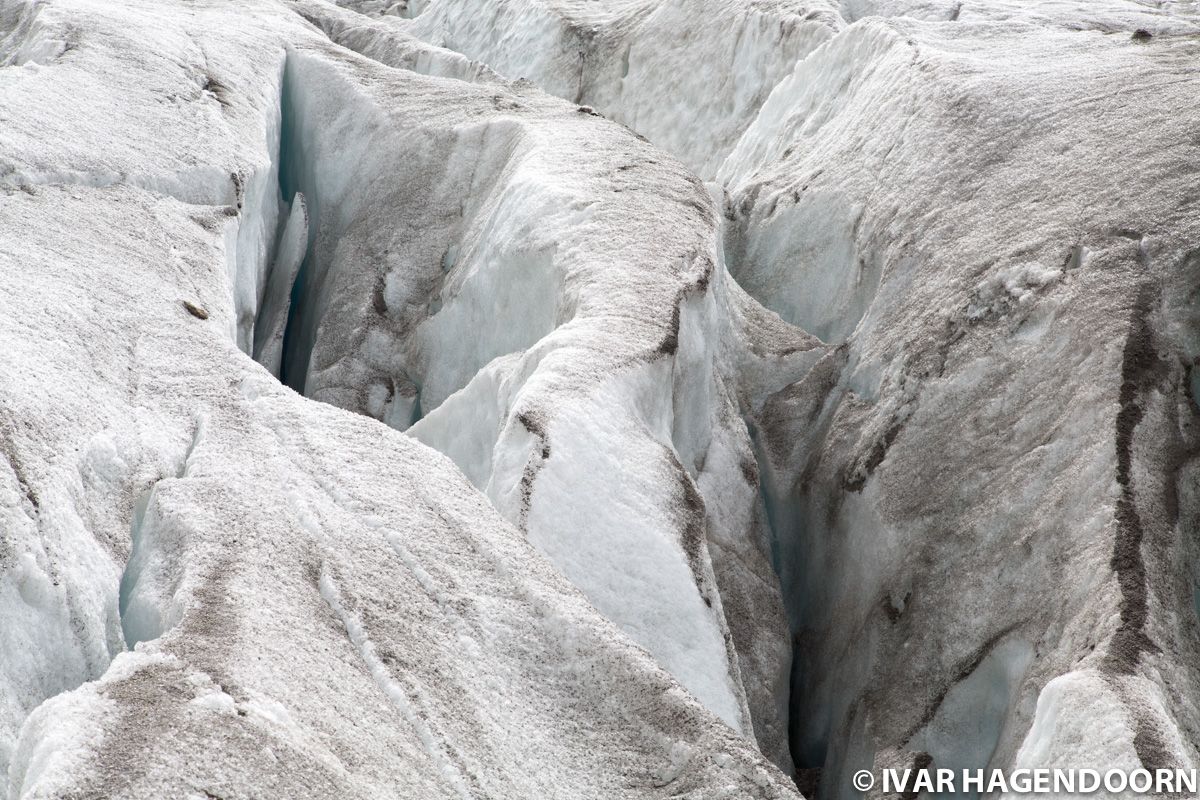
153, 574
394, 340
971, 466
884, 198
491, 246
922, 546
297, 191
156, 283
77, 574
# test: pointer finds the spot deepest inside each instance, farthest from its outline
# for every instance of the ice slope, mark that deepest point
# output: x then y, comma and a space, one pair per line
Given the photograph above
324, 607
965, 432
687, 75
320, 605
595, 400
499, 245
984, 493
1110, 16
980, 489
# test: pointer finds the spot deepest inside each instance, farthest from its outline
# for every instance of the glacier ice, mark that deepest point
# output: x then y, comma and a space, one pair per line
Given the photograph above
225, 523
622, 399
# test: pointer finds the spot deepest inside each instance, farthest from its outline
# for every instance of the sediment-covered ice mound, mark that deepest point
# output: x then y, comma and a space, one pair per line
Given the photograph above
522, 399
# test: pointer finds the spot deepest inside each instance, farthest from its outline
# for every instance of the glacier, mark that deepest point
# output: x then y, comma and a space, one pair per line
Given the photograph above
594, 398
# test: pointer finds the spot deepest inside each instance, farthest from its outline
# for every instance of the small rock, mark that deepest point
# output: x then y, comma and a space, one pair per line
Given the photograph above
196, 311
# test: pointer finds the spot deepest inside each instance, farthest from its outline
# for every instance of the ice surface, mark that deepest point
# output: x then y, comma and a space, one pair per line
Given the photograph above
970, 720
271, 321
197, 559
956, 475
837, 413
280, 498
689, 76
596, 312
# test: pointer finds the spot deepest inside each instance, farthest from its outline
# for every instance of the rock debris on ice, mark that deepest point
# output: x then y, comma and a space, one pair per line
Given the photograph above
623, 398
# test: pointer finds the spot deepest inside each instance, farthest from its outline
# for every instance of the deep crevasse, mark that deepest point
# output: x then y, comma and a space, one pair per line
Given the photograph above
842, 199
890, 197
397, 349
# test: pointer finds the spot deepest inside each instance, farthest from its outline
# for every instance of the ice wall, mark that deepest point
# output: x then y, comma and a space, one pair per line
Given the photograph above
250, 543
689, 78
499, 244
957, 482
